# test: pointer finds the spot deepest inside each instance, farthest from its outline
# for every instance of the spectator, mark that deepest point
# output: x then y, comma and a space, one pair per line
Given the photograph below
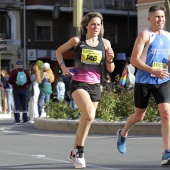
3, 93
128, 74
33, 101
108, 84
47, 78
9, 93
20, 92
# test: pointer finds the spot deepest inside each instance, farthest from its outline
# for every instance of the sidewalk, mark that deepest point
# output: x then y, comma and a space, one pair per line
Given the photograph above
5, 116
10, 116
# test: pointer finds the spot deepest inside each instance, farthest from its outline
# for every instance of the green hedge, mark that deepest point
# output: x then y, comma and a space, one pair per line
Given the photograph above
115, 105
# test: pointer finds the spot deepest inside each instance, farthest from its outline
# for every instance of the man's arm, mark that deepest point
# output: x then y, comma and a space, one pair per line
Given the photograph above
140, 43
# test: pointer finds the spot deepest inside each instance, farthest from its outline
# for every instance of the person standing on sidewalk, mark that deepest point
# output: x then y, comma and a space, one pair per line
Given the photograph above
20, 92
90, 50
47, 78
33, 100
9, 93
151, 54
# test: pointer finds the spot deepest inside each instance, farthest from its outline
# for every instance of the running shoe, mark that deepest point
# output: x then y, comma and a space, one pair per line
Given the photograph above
121, 142
166, 158
79, 161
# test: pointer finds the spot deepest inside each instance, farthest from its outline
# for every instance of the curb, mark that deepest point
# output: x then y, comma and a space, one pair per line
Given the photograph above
5, 116
97, 127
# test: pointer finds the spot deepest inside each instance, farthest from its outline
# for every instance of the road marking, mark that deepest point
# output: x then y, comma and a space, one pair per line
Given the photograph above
43, 157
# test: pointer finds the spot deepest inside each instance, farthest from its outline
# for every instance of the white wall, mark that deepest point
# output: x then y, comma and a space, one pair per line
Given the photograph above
143, 15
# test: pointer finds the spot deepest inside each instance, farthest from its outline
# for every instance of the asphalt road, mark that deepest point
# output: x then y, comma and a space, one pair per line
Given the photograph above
26, 148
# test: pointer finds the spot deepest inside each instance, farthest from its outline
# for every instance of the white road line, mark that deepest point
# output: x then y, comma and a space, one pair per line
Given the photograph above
39, 156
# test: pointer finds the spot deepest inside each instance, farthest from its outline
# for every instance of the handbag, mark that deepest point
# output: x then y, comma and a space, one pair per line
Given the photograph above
130, 81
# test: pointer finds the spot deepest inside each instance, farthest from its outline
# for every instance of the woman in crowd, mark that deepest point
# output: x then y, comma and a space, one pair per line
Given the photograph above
47, 78
3, 93
33, 101
108, 84
8, 92
90, 50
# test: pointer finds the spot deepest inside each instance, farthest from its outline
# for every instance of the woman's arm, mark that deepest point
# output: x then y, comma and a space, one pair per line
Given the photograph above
109, 56
62, 49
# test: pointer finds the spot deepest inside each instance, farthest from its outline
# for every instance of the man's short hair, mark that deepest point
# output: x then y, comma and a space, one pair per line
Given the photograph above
156, 8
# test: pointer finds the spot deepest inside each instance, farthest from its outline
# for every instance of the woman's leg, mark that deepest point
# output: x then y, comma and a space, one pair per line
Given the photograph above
35, 100
88, 111
5, 102
8, 96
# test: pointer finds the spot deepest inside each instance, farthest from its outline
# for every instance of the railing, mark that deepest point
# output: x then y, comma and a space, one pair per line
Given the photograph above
112, 4
115, 4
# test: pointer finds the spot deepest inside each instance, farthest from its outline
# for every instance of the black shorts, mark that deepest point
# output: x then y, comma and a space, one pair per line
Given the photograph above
142, 92
94, 90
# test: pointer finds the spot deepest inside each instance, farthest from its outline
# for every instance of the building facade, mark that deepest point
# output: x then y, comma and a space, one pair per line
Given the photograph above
10, 25
45, 32
34, 30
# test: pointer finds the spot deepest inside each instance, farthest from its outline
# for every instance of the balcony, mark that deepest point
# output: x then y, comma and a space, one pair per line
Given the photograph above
115, 4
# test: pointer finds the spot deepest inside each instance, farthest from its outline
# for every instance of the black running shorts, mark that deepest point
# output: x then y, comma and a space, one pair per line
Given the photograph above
160, 92
94, 90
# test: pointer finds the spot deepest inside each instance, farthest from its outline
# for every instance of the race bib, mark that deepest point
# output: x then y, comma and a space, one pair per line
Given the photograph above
89, 56
158, 65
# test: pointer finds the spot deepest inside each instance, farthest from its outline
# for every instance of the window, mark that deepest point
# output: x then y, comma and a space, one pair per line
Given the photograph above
5, 24
111, 33
43, 30
98, 4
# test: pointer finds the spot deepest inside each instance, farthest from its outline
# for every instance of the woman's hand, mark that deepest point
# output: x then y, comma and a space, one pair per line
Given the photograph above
66, 71
109, 54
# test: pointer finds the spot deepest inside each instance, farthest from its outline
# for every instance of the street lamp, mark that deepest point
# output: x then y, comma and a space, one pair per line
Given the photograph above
77, 15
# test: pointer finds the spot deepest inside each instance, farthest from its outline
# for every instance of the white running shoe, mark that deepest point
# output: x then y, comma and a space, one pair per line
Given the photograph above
79, 163
78, 159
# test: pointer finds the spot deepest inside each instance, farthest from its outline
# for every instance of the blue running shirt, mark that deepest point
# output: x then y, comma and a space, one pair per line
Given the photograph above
155, 55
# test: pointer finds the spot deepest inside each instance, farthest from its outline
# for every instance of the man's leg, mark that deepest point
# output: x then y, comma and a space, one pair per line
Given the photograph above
16, 94
131, 121
164, 110
24, 104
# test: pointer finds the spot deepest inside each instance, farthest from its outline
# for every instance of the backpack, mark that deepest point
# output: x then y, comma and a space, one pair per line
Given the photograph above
21, 78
